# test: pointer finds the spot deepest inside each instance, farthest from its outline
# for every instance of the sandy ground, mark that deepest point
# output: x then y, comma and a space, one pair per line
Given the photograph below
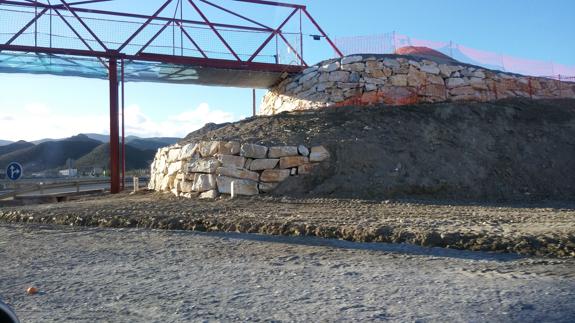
130, 275
544, 229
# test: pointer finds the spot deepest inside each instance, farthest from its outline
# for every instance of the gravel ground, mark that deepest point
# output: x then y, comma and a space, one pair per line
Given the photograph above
131, 275
544, 229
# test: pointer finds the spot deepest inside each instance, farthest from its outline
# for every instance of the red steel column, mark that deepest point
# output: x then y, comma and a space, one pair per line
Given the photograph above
114, 123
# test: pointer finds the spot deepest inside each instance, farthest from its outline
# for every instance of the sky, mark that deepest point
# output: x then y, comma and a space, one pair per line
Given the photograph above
42, 106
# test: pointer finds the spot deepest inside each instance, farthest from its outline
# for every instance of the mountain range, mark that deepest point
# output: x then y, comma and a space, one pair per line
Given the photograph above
85, 150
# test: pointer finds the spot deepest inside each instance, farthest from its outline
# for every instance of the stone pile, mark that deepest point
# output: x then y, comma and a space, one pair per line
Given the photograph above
397, 80
211, 168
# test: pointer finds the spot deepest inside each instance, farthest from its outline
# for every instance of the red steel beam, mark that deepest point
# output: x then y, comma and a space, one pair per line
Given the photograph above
123, 186
236, 14
293, 49
323, 33
192, 40
273, 3
154, 16
153, 38
21, 31
84, 24
266, 42
77, 34
214, 30
139, 16
114, 124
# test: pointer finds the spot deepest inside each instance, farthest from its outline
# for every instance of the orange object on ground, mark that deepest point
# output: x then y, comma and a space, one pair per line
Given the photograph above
32, 290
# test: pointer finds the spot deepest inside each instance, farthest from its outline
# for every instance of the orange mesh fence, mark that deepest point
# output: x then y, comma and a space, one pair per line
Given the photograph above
388, 43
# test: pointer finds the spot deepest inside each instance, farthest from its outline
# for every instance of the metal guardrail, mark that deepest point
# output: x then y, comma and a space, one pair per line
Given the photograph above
41, 187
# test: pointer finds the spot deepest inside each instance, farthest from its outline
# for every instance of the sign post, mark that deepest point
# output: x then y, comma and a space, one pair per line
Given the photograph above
14, 171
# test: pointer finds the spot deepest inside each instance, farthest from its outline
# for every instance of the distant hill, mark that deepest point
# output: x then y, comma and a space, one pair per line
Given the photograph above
152, 143
51, 154
95, 136
5, 142
100, 157
14, 147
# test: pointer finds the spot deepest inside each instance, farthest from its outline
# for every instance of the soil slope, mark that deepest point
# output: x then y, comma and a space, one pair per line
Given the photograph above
506, 150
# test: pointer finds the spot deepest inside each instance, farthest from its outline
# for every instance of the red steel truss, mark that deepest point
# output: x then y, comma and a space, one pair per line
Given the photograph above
77, 15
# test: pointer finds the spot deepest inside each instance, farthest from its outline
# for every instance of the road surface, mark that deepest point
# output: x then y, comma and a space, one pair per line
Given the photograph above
128, 275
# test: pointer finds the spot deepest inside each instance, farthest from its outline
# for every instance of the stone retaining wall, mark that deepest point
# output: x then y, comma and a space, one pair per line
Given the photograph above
209, 168
400, 80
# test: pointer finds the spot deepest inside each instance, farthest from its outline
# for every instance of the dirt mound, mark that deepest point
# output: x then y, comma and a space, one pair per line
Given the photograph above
515, 149
423, 52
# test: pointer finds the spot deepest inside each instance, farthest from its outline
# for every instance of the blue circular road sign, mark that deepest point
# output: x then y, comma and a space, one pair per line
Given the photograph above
14, 171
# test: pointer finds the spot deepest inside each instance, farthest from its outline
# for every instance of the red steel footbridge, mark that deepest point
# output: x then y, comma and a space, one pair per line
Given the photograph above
239, 43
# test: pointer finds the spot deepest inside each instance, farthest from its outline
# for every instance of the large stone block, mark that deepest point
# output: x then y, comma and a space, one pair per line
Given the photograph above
318, 154
275, 175
232, 161
204, 182
229, 148
339, 76
455, 82
293, 161
189, 151
207, 166
253, 151
351, 59
398, 80
173, 154
241, 186
330, 67
238, 173
263, 164
174, 168
282, 151
416, 77
209, 148
430, 69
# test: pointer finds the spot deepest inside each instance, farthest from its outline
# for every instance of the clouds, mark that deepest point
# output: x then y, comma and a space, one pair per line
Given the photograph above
36, 121
137, 123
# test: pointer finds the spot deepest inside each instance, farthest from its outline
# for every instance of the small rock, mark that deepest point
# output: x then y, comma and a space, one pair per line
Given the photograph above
209, 195
318, 154
267, 187
187, 186
303, 150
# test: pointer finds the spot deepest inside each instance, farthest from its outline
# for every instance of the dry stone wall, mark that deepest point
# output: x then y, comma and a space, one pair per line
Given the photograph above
400, 80
210, 168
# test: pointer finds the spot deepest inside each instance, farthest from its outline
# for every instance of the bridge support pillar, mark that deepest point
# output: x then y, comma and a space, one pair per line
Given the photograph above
114, 125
